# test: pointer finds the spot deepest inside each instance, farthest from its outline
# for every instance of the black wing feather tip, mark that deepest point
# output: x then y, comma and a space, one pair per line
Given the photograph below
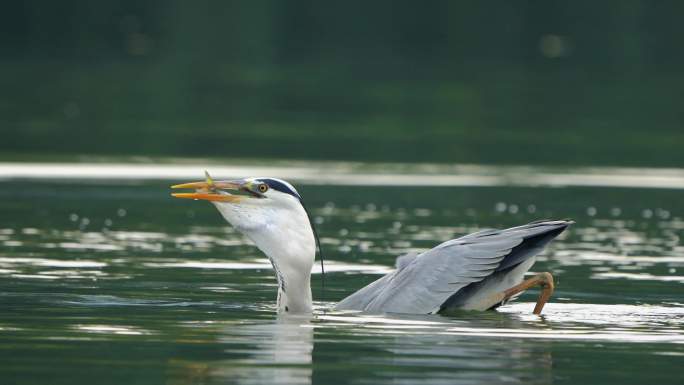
534, 242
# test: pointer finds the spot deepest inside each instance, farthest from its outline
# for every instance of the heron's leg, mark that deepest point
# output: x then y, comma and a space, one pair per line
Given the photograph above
544, 280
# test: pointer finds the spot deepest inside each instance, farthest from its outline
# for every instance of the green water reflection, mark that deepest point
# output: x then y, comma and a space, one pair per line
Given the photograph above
115, 282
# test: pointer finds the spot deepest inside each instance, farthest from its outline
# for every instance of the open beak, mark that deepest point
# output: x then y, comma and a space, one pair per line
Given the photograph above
211, 190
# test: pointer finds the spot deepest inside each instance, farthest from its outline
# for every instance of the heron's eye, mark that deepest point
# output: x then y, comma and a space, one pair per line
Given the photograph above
263, 188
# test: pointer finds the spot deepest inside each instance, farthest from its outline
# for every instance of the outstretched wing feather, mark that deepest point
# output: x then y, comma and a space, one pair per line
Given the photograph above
422, 283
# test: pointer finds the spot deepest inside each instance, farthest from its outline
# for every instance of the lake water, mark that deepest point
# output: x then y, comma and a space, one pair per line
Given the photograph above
106, 279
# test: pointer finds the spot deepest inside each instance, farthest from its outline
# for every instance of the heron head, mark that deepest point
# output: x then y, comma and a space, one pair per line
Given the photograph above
248, 204
269, 211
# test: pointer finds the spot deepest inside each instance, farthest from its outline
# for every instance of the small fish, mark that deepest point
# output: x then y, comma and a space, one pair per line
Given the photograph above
210, 181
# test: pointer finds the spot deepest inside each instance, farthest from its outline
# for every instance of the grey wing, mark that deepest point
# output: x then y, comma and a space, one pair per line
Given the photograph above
360, 299
421, 284
432, 277
405, 260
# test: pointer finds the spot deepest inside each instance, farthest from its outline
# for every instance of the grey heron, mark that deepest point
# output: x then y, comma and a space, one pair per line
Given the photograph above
479, 271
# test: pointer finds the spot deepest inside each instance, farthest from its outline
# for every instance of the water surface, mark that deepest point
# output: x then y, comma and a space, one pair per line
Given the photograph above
105, 279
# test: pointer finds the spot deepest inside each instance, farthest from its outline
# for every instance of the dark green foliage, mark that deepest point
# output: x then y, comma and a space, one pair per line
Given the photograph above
483, 82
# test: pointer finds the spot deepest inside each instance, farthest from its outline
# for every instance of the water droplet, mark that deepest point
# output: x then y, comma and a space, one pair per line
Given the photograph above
531, 209
421, 212
108, 222
513, 209
591, 211
121, 212
647, 213
319, 220
500, 207
663, 214
615, 211
328, 208
73, 217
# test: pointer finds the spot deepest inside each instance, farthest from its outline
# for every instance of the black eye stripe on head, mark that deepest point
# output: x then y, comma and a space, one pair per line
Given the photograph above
280, 186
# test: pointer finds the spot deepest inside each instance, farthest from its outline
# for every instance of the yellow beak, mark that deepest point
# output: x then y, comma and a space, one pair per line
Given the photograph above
211, 190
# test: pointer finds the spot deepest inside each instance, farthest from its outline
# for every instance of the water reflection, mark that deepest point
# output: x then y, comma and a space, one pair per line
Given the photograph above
273, 352
387, 346
119, 269
388, 349
112, 329
283, 353
453, 360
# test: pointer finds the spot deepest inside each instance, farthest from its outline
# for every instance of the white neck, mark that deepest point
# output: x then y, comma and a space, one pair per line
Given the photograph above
286, 237
294, 290
292, 256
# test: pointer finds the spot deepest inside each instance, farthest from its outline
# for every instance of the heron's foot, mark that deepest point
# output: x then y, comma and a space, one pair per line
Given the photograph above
543, 280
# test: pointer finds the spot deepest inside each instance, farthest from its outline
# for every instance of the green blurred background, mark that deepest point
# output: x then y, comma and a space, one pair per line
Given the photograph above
499, 82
